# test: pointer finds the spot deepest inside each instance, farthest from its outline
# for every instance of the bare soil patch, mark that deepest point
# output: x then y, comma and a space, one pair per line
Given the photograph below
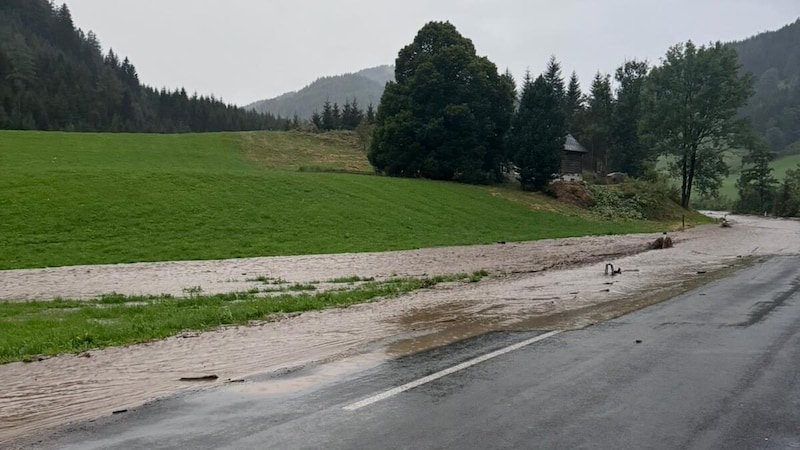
573, 193
555, 284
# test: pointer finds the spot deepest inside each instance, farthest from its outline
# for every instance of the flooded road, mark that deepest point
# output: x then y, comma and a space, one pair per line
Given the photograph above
557, 284
712, 368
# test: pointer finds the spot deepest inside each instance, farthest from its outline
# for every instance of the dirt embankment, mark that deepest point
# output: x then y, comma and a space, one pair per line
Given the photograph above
545, 284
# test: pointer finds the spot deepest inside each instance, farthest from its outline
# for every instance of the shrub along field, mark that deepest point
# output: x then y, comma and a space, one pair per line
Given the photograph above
77, 198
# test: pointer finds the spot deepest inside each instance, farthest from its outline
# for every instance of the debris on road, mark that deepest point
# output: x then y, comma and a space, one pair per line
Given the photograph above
662, 243
202, 378
612, 271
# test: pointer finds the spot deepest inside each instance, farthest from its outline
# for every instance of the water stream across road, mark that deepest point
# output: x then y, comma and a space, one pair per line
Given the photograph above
553, 284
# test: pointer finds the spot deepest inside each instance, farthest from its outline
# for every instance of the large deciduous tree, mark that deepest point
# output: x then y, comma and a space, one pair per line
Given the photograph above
537, 133
446, 115
693, 98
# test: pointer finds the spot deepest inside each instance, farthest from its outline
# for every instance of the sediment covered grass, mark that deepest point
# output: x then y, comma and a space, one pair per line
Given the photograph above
47, 328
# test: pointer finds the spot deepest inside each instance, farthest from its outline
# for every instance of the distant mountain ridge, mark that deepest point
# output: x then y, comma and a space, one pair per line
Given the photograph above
773, 58
366, 86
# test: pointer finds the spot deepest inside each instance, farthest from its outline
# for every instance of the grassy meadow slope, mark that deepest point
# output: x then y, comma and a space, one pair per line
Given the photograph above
76, 198
779, 166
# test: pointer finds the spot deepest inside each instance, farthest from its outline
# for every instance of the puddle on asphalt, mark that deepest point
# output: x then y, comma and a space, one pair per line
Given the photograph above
311, 377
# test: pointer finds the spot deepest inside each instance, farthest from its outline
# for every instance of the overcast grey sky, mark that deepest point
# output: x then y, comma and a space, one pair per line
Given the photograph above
247, 50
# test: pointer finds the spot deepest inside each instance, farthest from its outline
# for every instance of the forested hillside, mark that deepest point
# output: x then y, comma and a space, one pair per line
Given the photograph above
774, 59
365, 86
53, 76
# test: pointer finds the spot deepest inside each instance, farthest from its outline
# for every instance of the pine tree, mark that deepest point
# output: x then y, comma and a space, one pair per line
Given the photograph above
316, 119
598, 131
328, 120
337, 117
628, 153
552, 76
537, 134
370, 114
508, 77
347, 115
573, 105
357, 115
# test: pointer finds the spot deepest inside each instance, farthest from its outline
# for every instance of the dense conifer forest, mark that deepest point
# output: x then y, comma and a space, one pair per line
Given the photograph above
774, 59
53, 76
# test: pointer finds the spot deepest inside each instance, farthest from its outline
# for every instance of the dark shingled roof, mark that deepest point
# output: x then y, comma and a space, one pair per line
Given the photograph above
572, 145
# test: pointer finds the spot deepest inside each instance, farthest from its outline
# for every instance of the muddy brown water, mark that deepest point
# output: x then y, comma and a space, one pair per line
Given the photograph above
554, 284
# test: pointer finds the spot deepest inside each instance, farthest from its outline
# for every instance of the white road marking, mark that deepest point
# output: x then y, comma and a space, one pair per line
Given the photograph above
392, 392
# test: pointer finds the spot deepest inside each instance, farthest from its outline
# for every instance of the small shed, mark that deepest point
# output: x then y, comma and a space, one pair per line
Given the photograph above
572, 159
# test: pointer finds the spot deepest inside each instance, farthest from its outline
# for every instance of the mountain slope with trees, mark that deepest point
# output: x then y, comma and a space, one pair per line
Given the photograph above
365, 86
53, 76
774, 60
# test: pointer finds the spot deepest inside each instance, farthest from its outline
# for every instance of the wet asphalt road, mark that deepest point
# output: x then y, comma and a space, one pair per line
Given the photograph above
716, 368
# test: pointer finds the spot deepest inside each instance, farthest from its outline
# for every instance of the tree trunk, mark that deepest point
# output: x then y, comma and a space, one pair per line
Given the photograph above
684, 179
692, 170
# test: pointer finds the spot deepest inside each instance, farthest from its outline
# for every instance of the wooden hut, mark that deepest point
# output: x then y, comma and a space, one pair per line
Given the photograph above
572, 159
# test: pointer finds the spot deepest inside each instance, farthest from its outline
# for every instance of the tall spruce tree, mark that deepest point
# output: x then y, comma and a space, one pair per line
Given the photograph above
328, 119
316, 119
446, 115
370, 115
628, 153
573, 105
597, 135
554, 78
509, 78
537, 134
337, 117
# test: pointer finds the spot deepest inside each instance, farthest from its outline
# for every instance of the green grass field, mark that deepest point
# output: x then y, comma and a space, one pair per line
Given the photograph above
76, 198
734, 161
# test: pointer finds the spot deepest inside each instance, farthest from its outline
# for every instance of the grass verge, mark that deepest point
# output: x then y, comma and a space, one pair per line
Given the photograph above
47, 328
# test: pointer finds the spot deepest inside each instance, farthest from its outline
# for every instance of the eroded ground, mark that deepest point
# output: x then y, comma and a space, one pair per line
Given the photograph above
555, 284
